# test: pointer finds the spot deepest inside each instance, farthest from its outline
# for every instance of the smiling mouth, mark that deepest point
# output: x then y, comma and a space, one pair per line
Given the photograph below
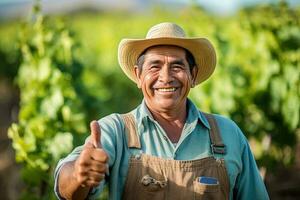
166, 89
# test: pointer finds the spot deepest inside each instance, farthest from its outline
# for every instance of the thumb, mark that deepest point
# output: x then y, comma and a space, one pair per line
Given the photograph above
95, 134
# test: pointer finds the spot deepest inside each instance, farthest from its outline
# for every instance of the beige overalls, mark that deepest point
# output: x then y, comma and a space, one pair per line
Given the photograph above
151, 177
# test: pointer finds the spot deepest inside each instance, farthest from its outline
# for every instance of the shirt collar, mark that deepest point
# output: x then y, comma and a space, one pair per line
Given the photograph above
143, 113
193, 114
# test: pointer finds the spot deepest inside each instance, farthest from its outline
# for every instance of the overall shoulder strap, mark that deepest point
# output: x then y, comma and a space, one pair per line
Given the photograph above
217, 145
133, 139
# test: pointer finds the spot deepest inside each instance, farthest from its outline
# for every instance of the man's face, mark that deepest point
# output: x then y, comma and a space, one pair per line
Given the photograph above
165, 78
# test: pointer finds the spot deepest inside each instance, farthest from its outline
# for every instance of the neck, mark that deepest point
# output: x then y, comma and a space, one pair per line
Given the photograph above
172, 121
171, 117
179, 113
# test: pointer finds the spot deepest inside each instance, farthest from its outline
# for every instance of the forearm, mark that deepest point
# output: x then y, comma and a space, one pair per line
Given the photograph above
68, 186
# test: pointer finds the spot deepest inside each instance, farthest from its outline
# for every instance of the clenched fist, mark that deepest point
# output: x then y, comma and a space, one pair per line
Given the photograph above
91, 165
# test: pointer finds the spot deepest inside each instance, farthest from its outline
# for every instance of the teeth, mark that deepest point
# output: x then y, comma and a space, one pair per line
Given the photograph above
166, 89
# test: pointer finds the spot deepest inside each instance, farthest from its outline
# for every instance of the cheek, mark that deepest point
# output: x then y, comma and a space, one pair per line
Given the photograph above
186, 84
186, 79
190, 79
148, 80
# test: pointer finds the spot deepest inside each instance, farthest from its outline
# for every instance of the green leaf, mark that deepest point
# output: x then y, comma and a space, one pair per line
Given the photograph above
61, 144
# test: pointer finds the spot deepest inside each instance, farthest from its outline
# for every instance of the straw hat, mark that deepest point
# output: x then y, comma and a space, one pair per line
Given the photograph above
168, 34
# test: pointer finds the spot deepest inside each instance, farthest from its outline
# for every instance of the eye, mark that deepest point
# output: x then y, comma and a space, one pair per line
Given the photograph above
154, 67
177, 67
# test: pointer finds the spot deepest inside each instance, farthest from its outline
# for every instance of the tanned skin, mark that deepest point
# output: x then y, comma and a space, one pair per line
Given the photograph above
165, 80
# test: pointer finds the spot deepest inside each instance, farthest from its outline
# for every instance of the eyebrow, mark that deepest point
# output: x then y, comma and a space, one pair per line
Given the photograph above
155, 62
177, 61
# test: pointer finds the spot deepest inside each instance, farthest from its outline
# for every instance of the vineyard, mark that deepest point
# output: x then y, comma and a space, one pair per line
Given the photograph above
65, 72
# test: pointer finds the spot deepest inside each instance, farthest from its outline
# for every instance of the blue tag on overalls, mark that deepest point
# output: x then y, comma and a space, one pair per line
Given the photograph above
208, 180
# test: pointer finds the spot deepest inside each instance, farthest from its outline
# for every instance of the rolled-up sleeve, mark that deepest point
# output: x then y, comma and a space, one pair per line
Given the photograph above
108, 129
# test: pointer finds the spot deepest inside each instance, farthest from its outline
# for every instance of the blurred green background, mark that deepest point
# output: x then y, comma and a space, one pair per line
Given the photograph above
58, 72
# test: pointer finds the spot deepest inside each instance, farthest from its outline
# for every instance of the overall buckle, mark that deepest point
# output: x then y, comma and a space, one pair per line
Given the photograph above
218, 148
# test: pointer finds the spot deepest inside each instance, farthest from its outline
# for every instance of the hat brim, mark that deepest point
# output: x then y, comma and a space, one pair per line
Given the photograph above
204, 54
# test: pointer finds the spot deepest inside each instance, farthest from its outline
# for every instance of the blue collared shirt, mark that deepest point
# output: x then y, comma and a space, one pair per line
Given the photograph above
194, 143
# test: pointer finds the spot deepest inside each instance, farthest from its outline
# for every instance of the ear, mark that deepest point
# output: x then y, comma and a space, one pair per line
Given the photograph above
137, 73
194, 73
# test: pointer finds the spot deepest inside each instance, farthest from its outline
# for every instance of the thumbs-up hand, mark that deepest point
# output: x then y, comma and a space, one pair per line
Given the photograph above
95, 134
91, 165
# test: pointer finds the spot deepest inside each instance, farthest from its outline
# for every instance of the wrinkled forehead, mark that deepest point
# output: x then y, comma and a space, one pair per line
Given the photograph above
165, 50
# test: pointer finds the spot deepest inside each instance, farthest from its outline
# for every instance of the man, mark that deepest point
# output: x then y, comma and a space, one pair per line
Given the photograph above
165, 148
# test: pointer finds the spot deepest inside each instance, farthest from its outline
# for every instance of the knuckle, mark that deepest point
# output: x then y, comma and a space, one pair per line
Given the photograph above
101, 168
104, 155
104, 168
99, 155
81, 171
82, 162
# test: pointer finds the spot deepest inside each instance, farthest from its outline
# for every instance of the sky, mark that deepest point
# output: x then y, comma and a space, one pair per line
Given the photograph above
230, 6
220, 7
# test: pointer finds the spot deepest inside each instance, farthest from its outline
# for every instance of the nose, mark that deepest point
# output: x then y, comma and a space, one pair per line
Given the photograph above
165, 75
